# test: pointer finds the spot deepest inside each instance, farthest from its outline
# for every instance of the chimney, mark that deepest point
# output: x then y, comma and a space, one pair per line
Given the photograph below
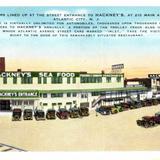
2, 64
19, 70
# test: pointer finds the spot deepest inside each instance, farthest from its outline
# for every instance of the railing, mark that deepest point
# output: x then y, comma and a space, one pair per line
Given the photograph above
8, 148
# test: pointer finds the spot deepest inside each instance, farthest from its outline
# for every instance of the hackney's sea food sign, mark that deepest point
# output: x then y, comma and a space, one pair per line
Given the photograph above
39, 74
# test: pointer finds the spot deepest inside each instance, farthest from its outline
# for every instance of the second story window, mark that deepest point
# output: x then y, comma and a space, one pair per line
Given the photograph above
108, 79
4, 80
14, 80
39, 80
26, 80
119, 79
68, 80
44, 80
74, 80
56, 80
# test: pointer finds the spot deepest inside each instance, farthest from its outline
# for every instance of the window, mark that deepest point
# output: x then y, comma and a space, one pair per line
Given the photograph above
108, 79
68, 94
91, 79
4, 80
74, 102
56, 80
44, 80
45, 104
39, 80
119, 79
25, 102
84, 95
69, 103
44, 95
56, 95
19, 103
74, 80
59, 104
68, 80
53, 104
14, 80
26, 80
74, 94
95, 93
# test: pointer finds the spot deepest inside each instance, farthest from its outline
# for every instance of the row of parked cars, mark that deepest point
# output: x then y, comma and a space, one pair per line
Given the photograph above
112, 109
62, 113
149, 121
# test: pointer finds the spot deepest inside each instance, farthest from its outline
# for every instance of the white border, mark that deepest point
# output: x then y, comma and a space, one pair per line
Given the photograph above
81, 156
79, 3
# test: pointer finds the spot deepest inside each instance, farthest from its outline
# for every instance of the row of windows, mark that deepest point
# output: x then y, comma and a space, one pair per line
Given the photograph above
41, 80
60, 104
59, 80
56, 95
98, 79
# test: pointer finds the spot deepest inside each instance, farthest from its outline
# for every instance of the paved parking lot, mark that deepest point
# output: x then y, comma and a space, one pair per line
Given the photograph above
93, 133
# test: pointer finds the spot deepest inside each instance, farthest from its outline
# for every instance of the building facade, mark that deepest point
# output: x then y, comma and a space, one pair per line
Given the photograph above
54, 89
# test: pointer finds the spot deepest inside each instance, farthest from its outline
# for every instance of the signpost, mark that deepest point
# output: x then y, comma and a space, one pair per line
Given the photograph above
117, 68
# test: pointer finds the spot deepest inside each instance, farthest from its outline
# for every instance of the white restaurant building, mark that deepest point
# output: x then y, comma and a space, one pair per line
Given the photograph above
46, 90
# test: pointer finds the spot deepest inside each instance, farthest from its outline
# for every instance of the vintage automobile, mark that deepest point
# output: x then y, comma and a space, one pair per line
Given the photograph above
16, 114
125, 106
148, 102
62, 113
155, 101
119, 107
148, 121
104, 110
39, 114
157, 114
136, 104
143, 103
83, 111
51, 114
74, 112
27, 114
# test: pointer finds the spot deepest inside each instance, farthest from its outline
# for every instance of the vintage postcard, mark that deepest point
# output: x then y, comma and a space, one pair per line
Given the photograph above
79, 78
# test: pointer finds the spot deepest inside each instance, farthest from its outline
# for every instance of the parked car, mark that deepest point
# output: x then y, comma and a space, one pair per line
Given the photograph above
119, 107
104, 110
125, 106
62, 113
51, 114
148, 121
74, 112
16, 114
39, 114
148, 102
157, 114
155, 101
83, 111
28, 114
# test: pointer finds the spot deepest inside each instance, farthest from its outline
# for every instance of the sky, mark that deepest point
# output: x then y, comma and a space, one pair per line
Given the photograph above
140, 55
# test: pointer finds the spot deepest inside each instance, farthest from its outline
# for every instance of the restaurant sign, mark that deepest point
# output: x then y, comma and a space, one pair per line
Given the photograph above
20, 94
39, 74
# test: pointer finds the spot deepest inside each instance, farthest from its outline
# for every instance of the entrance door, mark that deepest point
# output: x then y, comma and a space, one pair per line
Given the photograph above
5, 105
